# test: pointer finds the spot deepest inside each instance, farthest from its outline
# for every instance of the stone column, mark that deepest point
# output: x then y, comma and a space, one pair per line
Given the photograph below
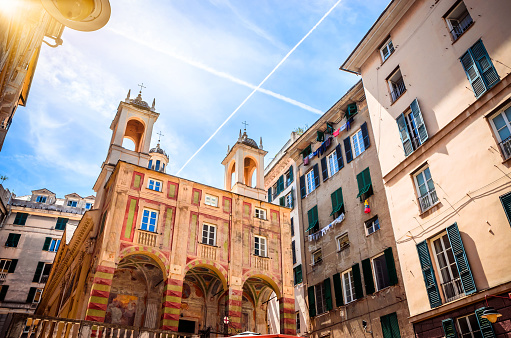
100, 291
171, 304
287, 316
234, 307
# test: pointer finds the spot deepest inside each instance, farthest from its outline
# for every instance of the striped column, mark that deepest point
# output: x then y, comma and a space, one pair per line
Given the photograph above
287, 316
98, 301
234, 308
171, 304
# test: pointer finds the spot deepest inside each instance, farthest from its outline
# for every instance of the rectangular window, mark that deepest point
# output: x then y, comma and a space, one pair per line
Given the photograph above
211, 200
288, 176
365, 186
343, 242
208, 234
412, 130
349, 286
34, 295
297, 322
12, 240
386, 50
458, 20
260, 246
425, 189
149, 220
88, 206
337, 203
372, 225
41, 199
293, 251
311, 184
72, 204
154, 185
320, 298
21, 218
260, 213
3, 292
42, 272
501, 125
297, 271
479, 69
447, 270
61, 223
312, 216
317, 257
381, 273
292, 227
357, 141
51, 244
289, 200
396, 85
333, 163
5, 265
390, 326
469, 327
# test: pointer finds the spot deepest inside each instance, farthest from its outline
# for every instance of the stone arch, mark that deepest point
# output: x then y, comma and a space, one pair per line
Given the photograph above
268, 279
250, 165
134, 131
155, 254
206, 263
231, 169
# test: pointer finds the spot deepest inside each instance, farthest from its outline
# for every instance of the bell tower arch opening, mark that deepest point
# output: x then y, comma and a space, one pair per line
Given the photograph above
135, 132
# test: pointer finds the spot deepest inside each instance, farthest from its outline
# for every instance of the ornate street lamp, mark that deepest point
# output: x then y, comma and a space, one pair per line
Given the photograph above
81, 15
489, 312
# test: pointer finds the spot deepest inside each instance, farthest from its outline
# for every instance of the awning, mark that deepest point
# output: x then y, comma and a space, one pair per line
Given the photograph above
364, 190
312, 225
337, 208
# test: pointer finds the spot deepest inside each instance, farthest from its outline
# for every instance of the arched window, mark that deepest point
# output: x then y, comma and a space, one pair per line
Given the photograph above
128, 144
157, 168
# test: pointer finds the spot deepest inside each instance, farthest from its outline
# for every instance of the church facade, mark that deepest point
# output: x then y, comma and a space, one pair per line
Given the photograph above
160, 251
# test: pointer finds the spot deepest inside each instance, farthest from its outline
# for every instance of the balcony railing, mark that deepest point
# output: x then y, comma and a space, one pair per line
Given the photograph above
399, 89
506, 147
146, 238
32, 326
453, 290
3, 276
207, 251
262, 263
428, 200
462, 26
44, 278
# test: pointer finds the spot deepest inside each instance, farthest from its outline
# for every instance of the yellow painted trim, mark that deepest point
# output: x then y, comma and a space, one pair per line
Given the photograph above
98, 300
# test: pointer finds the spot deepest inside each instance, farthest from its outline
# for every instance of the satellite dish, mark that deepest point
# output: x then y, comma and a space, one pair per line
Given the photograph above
81, 15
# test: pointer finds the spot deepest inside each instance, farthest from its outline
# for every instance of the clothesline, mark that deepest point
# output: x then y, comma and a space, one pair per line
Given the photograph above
315, 236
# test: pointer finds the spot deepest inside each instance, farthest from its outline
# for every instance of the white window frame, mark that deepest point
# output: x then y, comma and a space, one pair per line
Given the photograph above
288, 199
505, 144
72, 203
286, 179
314, 257
41, 278
211, 200
449, 268
212, 229
320, 298
377, 269
371, 223
154, 185
3, 263
148, 224
347, 276
260, 213
332, 163
309, 181
357, 143
260, 246
37, 296
389, 46
430, 194
54, 244
41, 199
449, 17
88, 206
338, 241
472, 329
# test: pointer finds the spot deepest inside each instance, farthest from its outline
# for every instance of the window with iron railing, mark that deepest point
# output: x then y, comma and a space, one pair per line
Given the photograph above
458, 20
425, 189
396, 85
448, 271
501, 124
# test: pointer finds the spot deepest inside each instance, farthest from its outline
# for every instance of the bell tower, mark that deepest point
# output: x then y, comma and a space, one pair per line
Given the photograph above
133, 122
244, 168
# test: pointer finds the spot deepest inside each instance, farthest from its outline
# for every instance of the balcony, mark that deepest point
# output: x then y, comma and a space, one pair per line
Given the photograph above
262, 263
459, 27
207, 251
146, 238
398, 88
452, 290
428, 200
3, 276
506, 147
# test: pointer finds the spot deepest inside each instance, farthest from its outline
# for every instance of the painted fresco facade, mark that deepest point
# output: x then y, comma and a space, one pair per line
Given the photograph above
437, 83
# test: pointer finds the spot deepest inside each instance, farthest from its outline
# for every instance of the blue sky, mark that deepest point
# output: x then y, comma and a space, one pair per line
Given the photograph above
199, 59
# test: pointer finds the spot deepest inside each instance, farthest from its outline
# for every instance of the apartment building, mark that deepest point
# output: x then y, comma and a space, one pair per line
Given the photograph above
350, 266
436, 78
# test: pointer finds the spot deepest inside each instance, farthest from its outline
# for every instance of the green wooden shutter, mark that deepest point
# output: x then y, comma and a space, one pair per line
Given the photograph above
357, 280
506, 204
282, 201
338, 152
449, 328
391, 266
303, 192
312, 302
292, 198
47, 243
291, 178
385, 326
329, 128
428, 274
333, 198
458, 250
347, 150
472, 72
280, 184
367, 176
484, 64
365, 135
21, 218
484, 324
316, 175
328, 294
339, 299
404, 135
269, 195
394, 325
360, 182
38, 272
3, 292
368, 276
12, 267
324, 169
315, 213
293, 251
31, 294
61, 223
419, 121
298, 274
320, 136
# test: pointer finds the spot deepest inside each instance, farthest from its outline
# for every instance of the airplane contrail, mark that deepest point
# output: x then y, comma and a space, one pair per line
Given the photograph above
259, 86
